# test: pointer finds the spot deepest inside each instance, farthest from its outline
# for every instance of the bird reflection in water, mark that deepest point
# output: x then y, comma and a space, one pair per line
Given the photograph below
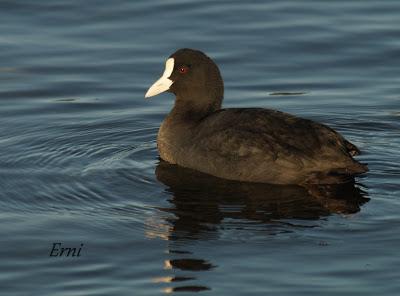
200, 203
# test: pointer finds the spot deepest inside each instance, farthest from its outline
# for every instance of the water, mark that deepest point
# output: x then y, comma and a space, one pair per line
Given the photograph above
79, 163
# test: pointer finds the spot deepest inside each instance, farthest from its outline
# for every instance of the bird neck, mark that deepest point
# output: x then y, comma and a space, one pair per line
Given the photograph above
195, 108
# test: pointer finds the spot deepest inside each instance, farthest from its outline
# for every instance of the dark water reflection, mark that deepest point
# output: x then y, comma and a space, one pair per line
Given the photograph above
199, 200
200, 203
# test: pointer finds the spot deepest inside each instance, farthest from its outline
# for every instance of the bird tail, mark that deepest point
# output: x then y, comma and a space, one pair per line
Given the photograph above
337, 175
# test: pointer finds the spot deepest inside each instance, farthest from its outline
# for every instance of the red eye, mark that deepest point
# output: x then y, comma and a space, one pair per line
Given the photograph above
183, 69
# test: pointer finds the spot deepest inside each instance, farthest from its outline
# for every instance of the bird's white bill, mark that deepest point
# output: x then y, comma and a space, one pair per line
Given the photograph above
164, 83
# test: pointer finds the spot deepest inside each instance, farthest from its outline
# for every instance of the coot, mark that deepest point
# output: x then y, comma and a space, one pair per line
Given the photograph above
244, 144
